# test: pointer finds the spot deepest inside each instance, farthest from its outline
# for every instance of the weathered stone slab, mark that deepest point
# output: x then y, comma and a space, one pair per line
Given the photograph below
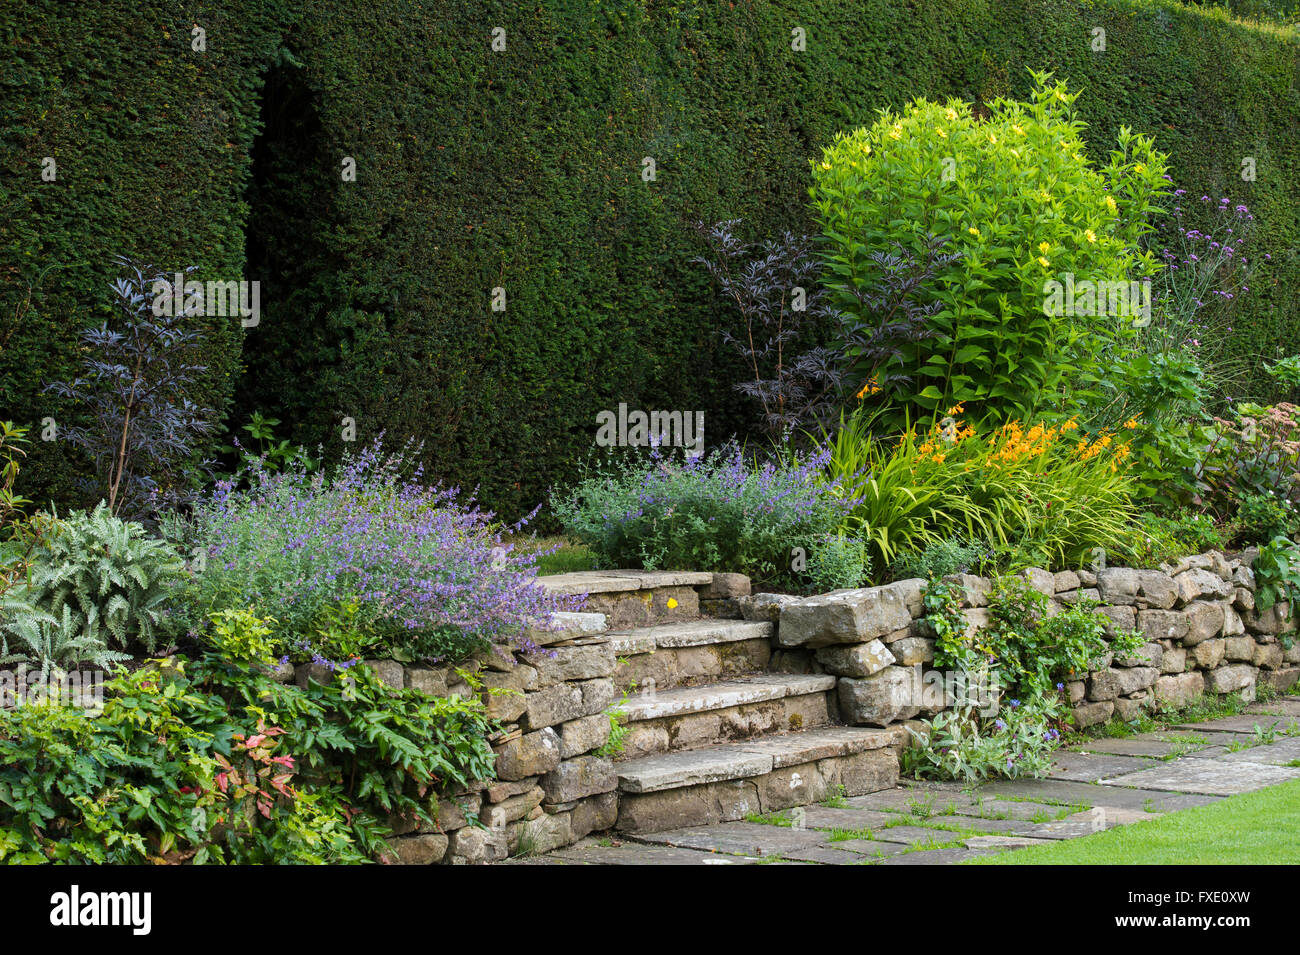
1091, 767
858, 659
578, 778
738, 838
530, 755
844, 616
1110, 794
1210, 775
880, 699
573, 663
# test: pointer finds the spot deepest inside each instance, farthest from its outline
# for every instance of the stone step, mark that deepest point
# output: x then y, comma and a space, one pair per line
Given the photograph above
698, 716
726, 782
673, 654
640, 598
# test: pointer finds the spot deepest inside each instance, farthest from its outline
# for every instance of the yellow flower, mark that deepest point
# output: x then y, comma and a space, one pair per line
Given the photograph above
1131, 423
870, 388
1069, 425
866, 148
993, 139
1139, 168
956, 409
942, 134
1110, 203
939, 458
1090, 235
1014, 152
896, 132
1018, 130
826, 165
1044, 247
975, 232
951, 114
1061, 96
1043, 262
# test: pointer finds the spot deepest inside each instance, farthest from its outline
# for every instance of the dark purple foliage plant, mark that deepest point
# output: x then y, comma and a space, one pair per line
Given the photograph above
775, 288
139, 374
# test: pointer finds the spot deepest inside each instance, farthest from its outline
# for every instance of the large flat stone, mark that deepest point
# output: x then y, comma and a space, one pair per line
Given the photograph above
1244, 724
690, 768
1210, 776
688, 633
1090, 767
743, 838
1277, 754
717, 696
631, 853
1110, 794
843, 616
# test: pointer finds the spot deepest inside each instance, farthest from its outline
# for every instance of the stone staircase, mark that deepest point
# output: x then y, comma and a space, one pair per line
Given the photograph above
713, 731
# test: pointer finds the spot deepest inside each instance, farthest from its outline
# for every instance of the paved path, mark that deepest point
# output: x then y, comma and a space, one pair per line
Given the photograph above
1092, 786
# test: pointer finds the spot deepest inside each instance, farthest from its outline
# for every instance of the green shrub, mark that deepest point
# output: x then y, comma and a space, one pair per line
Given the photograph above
837, 563
1156, 539
212, 761
1262, 517
1030, 652
959, 745
944, 557
101, 583
1014, 195
715, 511
1040, 494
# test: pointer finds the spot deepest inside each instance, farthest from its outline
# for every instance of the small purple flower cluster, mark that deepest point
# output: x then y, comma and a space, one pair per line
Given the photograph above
414, 558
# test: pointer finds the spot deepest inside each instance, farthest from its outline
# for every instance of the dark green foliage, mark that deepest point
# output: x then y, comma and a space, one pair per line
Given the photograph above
521, 169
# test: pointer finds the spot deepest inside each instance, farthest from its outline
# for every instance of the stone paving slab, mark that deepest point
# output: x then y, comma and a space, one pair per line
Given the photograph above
832, 854
980, 824
1157, 745
823, 817
1288, 705
1004, 842
1090, 767
1004, 810
937, 856
913, 835
1114, 793
1284, 751
629, 853
904, 799
1245, 723
1209, 776
867, 848
744, 838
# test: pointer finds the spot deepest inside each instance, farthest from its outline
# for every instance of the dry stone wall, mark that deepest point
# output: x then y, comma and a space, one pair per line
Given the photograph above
1204, 636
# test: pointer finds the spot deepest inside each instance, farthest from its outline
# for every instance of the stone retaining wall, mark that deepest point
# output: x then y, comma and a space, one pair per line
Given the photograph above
1204, 635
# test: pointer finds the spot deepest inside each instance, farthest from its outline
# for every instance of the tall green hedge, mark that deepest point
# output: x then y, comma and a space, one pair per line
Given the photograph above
522, 169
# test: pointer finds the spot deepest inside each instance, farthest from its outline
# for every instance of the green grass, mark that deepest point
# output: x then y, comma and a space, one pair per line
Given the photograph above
568, 558
1259, 828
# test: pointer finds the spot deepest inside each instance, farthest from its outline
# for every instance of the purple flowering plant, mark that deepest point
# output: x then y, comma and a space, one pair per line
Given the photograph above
721, 510
402, 565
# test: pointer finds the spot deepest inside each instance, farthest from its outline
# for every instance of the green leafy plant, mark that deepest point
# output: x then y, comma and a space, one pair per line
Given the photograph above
1277, 573
943, 558
959, 745
1040, 495
1157, 539
1012, 192
95, 586
837, 562
274, 453
716, 511
1264, 516
212, 761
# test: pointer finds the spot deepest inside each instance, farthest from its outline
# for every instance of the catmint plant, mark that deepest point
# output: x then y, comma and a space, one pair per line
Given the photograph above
366, 541
140, 373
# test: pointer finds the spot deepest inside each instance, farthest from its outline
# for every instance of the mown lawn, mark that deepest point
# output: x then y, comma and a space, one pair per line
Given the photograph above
1257, 828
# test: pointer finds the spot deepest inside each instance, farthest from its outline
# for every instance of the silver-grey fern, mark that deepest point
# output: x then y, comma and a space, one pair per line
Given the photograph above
35, 637
104, 581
